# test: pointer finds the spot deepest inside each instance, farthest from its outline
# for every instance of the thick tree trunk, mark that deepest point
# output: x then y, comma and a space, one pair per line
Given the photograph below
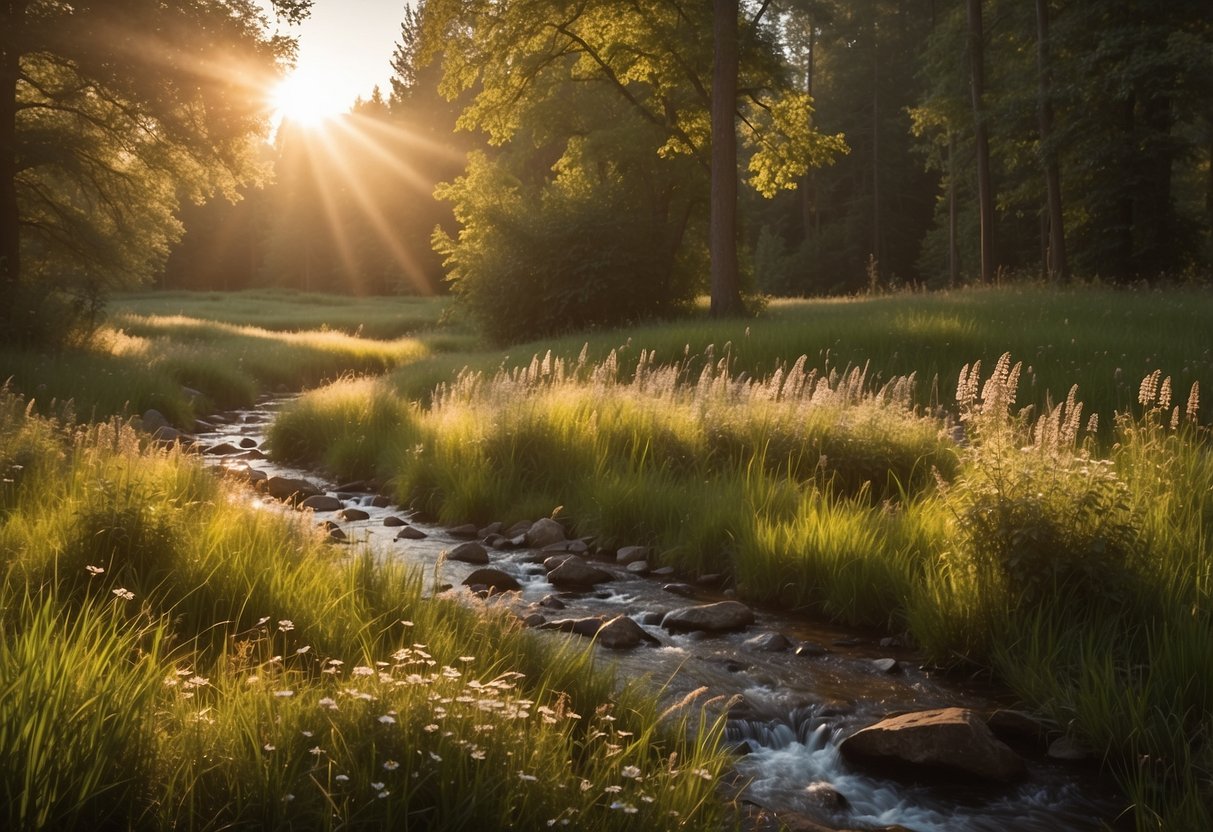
10, 219
953, 235
726, 284
1055, 258
985, 187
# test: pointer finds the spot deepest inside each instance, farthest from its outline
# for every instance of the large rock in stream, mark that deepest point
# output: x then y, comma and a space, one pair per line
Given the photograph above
950, 740
290, 489
575, 573
721, 617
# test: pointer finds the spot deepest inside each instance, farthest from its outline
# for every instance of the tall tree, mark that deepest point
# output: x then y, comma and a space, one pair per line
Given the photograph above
1055, 257
981, 137
110, 112
726, 285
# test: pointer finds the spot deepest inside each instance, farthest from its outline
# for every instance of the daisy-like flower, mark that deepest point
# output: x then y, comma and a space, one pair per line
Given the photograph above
342, 778
262, 620
437, 758
363, 670
286, 625
387, 719
631, 771
284, 694
376, 786
390, 765
303, 649
124, 594
315, 751
478, 754
94, 570
384, 794
269, 747
328, 702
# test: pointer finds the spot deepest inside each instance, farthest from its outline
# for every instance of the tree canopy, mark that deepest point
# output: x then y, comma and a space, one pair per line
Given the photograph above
112, 113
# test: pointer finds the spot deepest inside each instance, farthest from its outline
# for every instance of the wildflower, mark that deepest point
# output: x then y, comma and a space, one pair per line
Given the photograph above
435, 757
384, 794
631, 771
342, 778
406, 623
124, 594
288, 798
253, 680
328, 702
376, 786
197, 682
269, 747
94, 570
315, 751
262, 620
702, 772
303, 649
306, 733
529, 778
387, 719
390, 765
283, 694
431, 728
467, 658
628, 808
286, 625
363, 670
478, 754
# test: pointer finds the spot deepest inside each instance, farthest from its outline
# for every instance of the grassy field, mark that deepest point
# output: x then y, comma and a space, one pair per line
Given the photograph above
1070, 557
176, 658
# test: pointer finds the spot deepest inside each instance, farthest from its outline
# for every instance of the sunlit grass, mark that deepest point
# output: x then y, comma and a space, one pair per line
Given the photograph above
175, 657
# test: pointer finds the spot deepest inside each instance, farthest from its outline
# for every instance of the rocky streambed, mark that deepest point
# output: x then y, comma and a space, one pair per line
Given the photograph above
833, 729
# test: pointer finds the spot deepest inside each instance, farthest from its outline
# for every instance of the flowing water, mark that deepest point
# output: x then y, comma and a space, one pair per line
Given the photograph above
793, 706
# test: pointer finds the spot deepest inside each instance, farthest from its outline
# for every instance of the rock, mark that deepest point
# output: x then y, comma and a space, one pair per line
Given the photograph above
289, 488
577, 547
557, 548
534, 621
321, 502
519, 528
409, 533
685, 590
768, 643
954, 740
327, 525
631, 554
392, 521
892, 641
552, 561
621, 633
191, 395
638, 567
663, 572
551, 602
1018, 726
356, 485
245, 472
153, 420
712, 579
171, 436
826, 796
495, 579
490, 529
351, 514
887, 666
721, 617
469, 552
544, 532
222, 449
253, 454
247, 443
467, 530
379, 501
580, 626
651, 619
575, 572
337, 535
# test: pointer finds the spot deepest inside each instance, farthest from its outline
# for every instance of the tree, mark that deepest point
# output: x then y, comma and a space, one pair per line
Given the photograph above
981, 137
111, 112
725, 284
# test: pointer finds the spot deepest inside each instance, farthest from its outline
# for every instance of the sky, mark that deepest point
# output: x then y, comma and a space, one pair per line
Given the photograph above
345, 48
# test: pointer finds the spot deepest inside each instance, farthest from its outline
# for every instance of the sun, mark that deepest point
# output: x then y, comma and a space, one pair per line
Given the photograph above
308, 99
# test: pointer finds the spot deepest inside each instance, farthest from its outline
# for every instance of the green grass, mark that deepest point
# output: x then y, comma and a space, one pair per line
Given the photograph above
1039, 544
176, 657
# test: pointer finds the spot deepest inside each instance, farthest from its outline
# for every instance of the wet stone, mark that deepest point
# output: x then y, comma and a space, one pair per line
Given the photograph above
551, 602
467, 530
638, 567
469, 553
544, 532
768, 643
811, 650
351, 514
631, 554
222, 449
410, 533
685, 590
379, 501
492, 529
393, 521
246, 443
534, 621
492, 578
721, 617
321, 502
663, 572
888, 666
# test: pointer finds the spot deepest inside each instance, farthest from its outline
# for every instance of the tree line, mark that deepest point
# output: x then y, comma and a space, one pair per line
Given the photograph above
568, 163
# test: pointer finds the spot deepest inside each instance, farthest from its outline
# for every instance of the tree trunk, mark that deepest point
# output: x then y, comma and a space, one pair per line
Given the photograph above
953, 237
10, 219
876, 231
726, 284
985, 190
1055, 257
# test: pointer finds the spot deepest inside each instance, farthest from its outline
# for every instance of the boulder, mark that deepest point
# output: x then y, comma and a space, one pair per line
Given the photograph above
621, 633
169, 436
580, 626
638, 567
469, 552
575, 572
222, 449
553, 561
467, 531
490, 529
290, 488
248, 443
551, 602
321, 502
410, 533
518, 529
392, 521
494, 579
768, 643
631, 554
1069, 749
811, 650
153, 419
663, 571
721, 617
826, 796
685, 590
350, 514
380, 501
886, 666
954, 740
544, 532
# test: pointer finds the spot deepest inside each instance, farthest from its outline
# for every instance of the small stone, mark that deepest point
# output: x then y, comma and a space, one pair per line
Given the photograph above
337, 534
685, 590
410, 533
826, 796
577, 547
222, 449
544, 532
580, 626
721, 617
467, 530
551, 602
379, 501
469, 552
663, 572
352, 514
392, 521
887, 666
651, 619
621, 633
534, 621
638, 567
246, 442
321, 502
495, 579
554, 561
768, 643
1068, 748
631, 554
811, 650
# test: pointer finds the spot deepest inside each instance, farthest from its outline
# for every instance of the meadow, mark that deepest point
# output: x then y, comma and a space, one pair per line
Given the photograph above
876, 461
928, 468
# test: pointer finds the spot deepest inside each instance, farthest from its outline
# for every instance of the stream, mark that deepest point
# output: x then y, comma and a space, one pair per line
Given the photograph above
796, 704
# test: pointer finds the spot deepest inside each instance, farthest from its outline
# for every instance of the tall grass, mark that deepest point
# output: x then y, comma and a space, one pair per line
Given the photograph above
176, 657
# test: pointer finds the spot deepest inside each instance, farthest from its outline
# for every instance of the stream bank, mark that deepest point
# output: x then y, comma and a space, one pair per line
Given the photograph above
796, 688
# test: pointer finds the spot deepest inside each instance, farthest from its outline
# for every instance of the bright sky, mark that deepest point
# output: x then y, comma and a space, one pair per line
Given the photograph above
344, 51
